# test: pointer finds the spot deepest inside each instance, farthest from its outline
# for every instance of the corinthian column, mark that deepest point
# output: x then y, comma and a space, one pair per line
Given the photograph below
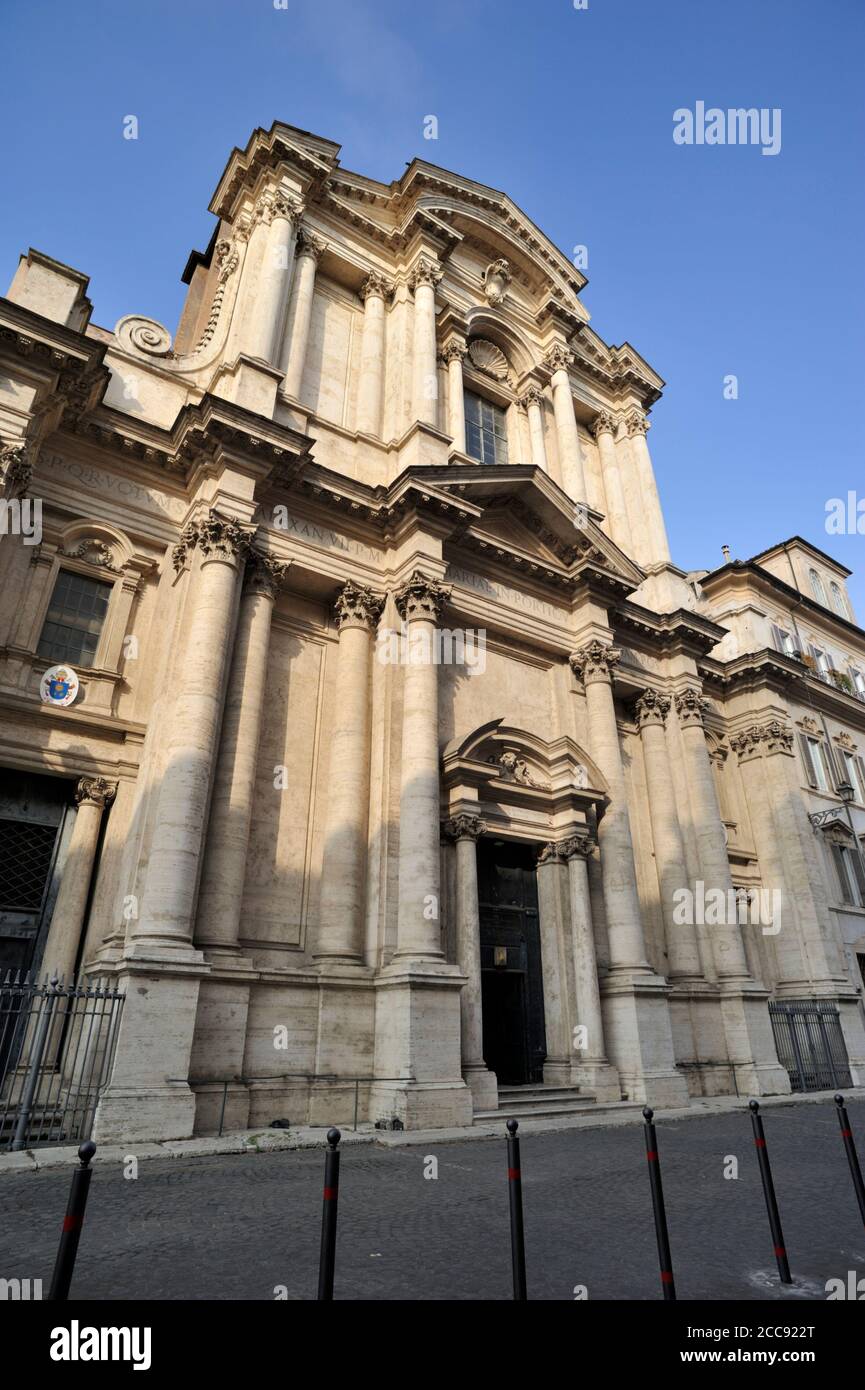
453, 355
711, 840
464, 831
191, 733
420, 602
309, 251
220, 897
64, 936
657, 548
370, 390
594, 664
532, 402
341, 909
591, 1067
604, 431
558, 360
682, 947
279, 215
424, 279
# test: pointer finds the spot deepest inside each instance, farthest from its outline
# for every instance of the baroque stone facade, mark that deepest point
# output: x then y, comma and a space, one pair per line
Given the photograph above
404, 758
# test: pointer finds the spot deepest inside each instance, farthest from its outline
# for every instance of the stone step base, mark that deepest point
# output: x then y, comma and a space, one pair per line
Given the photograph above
536, 1102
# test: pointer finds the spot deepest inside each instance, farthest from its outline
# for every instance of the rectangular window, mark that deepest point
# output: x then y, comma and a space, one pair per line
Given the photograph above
74, 620
486, 431
855, 772
819, 771
858, 680
851, 875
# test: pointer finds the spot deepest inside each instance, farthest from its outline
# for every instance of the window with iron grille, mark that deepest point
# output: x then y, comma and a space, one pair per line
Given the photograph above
75, 618
486, 431
25, 862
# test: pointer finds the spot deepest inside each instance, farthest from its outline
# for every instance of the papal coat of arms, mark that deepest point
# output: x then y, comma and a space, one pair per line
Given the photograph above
59, 686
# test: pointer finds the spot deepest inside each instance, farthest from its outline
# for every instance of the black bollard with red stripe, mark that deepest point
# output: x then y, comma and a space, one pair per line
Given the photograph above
668, 1284
327, 1257
515, 1194
852, 1157
769, 1194
64, 1265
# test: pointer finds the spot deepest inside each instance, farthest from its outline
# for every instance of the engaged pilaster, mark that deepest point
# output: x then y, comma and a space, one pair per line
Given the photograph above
604, 430
220, 898
557, 362
425, 277
92, 795
657, 548
682, 946
191, 734
532, 402
465, 831
308, 254
594, 664
343, 875
453, 356
420, 602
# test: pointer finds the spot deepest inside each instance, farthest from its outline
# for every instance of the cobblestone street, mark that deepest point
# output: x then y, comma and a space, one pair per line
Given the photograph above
239, 1226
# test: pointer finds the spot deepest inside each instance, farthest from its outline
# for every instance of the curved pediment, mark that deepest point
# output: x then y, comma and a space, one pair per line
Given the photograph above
515, 758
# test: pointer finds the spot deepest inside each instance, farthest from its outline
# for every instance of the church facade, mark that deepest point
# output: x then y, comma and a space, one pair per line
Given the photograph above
386, 749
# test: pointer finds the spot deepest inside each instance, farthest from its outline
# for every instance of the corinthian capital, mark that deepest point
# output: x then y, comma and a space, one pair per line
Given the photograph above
691, 706
463, 827
16, 467
217, 537
426, 272
577, 847
264, 575
594, 661
376, 284
652, 708
96, 790
454, 350
421, 597
533, 395
776, 736
636, 423
310, 245
357, 605
603, 423
558, 358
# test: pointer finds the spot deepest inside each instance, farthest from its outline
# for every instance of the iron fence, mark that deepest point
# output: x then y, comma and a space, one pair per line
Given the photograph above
810, 1043
56, 1048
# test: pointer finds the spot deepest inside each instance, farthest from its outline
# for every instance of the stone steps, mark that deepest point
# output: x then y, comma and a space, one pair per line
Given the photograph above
537, 1102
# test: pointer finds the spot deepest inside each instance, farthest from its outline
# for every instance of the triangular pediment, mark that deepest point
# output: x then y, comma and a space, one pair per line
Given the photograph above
518, 512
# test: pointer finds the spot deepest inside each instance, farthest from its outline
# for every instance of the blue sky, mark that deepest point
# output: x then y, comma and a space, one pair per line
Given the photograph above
709, 260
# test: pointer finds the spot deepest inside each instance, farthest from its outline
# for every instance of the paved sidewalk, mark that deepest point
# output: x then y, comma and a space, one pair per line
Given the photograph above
314, 1137
224, 1226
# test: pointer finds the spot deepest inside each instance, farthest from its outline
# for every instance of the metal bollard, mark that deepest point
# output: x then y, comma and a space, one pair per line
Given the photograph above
64, 1265
852, 1157
769, 1194
515, 1194
327, 1256
668, 1283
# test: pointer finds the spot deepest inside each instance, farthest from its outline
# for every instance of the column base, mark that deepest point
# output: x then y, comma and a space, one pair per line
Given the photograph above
417, 1046
639, 1038
483, 1085
750, 1041
148, 1095
557, 1072
599, 1077
345, 1034
219, 1042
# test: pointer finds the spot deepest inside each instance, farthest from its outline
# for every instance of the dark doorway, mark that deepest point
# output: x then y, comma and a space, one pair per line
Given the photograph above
511, 980
37, 814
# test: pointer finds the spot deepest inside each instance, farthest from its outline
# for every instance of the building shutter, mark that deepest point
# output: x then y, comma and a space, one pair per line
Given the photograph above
808, 760
855, 858
841, 871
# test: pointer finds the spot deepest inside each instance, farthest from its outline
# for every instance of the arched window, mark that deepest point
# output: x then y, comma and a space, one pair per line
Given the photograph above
838, 599
817, 588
